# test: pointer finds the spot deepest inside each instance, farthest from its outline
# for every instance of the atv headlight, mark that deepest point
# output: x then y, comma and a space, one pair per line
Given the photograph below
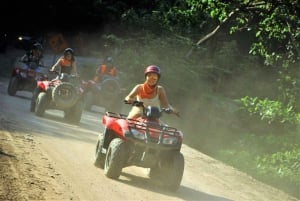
170, 140
138, 134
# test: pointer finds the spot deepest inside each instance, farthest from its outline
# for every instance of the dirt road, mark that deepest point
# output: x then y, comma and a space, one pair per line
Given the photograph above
49, 159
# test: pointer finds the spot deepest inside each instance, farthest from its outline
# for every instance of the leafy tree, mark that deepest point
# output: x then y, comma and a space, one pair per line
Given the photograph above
274, 28
274, 25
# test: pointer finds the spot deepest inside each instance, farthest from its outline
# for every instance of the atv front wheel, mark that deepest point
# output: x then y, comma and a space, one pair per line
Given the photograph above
170, 171
114, 160
35, 94
41, 104
110, 88
99, 158
13, 86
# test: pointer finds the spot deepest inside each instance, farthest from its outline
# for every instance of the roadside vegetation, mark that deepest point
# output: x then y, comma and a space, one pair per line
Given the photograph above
231, 68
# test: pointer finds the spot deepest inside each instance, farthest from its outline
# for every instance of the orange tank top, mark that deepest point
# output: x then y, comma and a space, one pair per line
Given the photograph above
65, 63
66, 66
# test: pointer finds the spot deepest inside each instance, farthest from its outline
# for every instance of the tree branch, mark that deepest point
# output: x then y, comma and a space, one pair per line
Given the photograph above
209, 35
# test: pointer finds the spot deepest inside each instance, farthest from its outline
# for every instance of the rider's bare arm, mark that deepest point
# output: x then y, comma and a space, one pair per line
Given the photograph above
164, 100
132, 95
56, 65
24, 58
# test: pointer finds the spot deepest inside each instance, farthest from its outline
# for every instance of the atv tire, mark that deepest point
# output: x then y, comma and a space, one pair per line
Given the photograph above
170, 171
99, 158
41, 104
13, 86
114, 158
64, 95
35, 94
110, 88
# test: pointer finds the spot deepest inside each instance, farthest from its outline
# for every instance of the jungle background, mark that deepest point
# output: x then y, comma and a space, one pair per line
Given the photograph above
231, 68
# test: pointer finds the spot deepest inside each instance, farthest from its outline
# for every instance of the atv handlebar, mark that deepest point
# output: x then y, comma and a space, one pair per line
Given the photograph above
58, 73
134, 103
141, 104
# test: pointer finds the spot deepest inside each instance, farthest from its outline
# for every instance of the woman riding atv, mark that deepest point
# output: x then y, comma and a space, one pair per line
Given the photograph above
150, 93
66, 63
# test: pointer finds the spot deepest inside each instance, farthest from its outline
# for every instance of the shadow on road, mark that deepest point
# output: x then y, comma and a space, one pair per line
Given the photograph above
184, 193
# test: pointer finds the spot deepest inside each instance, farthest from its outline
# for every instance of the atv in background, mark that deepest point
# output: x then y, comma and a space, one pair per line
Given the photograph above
144, 142
65, 92
106, 93
24, 77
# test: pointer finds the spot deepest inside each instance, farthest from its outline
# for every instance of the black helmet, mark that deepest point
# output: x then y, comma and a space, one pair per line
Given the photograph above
68, 50
37, 46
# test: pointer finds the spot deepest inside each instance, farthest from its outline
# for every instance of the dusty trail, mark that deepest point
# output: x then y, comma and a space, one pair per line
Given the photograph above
49, 159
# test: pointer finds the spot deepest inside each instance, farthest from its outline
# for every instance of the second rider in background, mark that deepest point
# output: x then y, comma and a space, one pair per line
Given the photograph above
66, 63
33, 58
105, 69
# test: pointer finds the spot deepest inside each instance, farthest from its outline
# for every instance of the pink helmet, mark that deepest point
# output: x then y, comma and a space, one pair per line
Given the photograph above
152, 69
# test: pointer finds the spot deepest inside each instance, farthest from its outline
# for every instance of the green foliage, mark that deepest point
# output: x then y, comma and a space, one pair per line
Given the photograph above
280, 164
275, 24
281, 169
280, 25
272, 159
271, 111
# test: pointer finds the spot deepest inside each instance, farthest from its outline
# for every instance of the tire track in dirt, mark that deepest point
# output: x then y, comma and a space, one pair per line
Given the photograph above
26, 174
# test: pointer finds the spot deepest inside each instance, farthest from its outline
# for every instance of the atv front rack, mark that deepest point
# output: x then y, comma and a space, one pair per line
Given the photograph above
147, 125
155, 132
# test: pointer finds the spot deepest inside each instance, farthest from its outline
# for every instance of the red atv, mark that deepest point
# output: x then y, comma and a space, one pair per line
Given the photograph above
144, 142
24, 77
65, 92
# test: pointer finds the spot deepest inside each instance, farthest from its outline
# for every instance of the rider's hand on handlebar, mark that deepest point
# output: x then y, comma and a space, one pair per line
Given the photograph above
171, 111
176, 112
130, 101
134, 103
127, 101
